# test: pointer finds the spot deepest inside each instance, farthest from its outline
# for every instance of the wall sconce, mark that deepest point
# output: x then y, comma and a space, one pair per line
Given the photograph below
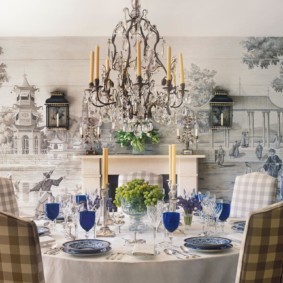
57, 111
221, 106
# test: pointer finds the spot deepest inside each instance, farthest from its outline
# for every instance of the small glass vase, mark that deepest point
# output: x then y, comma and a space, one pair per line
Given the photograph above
188, 218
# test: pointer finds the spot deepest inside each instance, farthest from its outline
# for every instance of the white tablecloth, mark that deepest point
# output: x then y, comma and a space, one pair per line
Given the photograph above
209, 267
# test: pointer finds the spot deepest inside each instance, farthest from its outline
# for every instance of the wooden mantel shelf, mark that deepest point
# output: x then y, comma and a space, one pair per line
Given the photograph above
186, 168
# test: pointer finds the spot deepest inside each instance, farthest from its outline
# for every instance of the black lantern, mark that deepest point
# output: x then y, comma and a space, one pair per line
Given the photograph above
221, 106
57, 111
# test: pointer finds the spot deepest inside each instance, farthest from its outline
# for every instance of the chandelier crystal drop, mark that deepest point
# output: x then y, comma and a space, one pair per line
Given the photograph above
136, 88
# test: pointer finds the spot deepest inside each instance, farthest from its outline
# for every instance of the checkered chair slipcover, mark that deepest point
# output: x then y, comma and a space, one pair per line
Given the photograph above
261, 254
20, 255
251, 192
8, 201
152, 178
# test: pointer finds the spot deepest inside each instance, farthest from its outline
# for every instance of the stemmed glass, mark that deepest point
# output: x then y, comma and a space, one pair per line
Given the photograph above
171, 221
154, 217
87, 220
52, 212
225, 213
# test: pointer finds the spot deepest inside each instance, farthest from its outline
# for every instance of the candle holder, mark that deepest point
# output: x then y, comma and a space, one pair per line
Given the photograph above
172, 196
187, 135
104, 230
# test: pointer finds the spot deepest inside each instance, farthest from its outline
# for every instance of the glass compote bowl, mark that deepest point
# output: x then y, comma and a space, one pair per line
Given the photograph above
87, 220
171, 221
52, 211
154, 216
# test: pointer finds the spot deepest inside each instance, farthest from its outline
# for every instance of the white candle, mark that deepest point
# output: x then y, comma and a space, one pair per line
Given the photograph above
221, 119
98, 131
105, 168
81, 130
57, 119
170, 162
173, 164
97, 62
169, 63
182, 78
178, 132
138, 59
196, 132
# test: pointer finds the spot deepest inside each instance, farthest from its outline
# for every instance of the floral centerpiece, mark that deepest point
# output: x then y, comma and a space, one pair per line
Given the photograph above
189, 204
137, 141
138, 193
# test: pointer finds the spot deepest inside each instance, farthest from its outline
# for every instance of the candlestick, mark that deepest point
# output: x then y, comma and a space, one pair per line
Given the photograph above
138, 59
182, 78
173, 164
57, 119
91, 66
221, 119
169, 63
97, 62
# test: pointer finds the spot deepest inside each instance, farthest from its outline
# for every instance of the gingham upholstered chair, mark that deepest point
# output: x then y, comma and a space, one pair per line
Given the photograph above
152, 178
261, 253
8, 201
20, 255
251, 192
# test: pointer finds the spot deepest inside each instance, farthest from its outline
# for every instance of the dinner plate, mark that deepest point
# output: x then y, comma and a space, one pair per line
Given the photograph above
42, 230
207, 242
209, 249
86, 253
239, 226
87, 246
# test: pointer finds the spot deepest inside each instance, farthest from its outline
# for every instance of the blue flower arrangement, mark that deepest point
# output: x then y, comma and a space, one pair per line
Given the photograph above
189, 204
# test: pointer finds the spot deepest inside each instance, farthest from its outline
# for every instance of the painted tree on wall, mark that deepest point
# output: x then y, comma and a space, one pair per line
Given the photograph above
3, 73
264, 52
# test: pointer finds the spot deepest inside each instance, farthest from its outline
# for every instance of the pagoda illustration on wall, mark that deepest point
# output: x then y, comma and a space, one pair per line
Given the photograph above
28, 137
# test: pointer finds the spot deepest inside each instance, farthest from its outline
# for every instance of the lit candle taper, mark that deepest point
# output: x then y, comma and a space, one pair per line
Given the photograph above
221, 119
168, 63
138, 59
182, 78
91, 61
97, 62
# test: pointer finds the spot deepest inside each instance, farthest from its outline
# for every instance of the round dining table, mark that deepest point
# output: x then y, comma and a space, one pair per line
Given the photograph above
122, 265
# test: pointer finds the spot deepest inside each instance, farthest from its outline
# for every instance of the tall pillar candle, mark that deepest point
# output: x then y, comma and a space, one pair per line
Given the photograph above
173, 164
105, 168
138, 59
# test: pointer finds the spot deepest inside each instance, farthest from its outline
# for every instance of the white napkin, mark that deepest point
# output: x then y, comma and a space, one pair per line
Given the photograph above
143, 249
46, 240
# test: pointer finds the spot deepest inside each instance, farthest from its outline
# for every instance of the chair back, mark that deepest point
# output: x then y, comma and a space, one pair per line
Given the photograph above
251, 192
8, 201
261, 254
152, 178
20, 255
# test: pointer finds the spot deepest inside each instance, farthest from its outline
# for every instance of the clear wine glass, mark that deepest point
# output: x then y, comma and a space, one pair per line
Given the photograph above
52, 211
225, 213
154, 217
87, 220
171, 221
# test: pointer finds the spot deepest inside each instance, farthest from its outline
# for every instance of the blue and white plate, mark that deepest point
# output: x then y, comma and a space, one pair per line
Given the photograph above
87, 246
209, 249
41, 230
86, 253
239, 226
207, 242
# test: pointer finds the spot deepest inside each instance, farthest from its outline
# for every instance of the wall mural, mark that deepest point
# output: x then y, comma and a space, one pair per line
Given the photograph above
250, 69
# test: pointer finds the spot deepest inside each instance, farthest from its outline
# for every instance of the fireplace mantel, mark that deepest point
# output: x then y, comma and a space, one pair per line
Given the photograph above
186, 168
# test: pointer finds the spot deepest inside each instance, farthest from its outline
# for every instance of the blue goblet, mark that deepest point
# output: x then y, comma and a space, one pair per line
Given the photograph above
52, 211
171, 221
225, 213
87, 220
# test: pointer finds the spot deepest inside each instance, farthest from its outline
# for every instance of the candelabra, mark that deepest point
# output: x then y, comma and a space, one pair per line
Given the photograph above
90, 133
189, 133
136, 101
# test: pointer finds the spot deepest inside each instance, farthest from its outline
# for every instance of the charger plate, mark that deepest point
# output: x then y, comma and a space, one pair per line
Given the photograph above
207, 242
211, 249
86, 246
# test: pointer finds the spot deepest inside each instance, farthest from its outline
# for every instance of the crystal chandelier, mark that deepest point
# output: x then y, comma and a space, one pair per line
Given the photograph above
127, 94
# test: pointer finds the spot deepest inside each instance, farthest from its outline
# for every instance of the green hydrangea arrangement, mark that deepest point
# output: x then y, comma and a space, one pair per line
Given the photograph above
139, 193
